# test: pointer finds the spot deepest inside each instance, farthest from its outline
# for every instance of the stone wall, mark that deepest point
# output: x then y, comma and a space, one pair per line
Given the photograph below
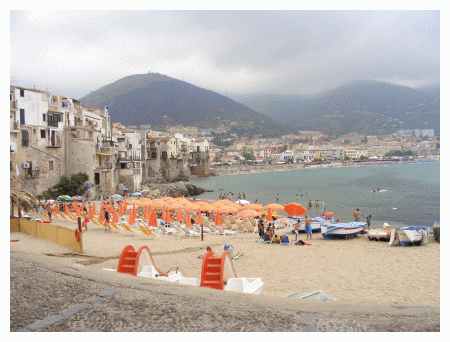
49, 162
80, 155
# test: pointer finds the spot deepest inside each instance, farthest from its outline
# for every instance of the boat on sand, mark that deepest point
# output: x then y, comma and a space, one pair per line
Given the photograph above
409, 236
343, 230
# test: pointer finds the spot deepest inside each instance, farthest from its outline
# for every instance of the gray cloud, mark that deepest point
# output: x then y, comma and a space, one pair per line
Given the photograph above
232, 52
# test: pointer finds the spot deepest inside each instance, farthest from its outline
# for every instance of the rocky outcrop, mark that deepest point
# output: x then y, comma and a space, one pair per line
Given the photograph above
176, 189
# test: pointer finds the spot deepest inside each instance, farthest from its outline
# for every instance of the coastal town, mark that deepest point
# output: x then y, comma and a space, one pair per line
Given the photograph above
53, 136
224, 171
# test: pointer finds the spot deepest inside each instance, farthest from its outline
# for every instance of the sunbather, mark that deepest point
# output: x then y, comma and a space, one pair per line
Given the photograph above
276, 239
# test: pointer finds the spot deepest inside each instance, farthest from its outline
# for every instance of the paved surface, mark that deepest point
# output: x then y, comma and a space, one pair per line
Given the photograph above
48, 294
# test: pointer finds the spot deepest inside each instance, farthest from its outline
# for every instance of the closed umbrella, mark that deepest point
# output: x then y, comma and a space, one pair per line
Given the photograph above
269, 215
218, 219
199, 218
188, 219
180, 215
152, 220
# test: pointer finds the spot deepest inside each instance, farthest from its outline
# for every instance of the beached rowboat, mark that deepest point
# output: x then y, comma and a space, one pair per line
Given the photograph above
344, 230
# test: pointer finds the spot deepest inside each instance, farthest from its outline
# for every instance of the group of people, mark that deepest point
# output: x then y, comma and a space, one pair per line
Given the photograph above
268, 234
308, 228
356, 214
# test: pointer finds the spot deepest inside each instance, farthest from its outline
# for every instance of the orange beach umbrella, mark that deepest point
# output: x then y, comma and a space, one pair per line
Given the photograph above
246, 213
295, 209
274, 206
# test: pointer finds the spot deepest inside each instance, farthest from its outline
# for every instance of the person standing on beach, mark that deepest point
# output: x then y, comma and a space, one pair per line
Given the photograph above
369, 220
49, 212
356, 215
107, 227
297, 229
308, 228
261, 228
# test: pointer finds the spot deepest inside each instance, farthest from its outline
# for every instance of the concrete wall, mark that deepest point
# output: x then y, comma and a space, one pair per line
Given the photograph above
60, 235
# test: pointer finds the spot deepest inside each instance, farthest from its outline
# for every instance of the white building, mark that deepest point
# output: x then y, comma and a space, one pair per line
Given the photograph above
355, 154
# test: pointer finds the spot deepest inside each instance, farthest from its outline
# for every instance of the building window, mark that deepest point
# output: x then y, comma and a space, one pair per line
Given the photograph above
22, 92
97, 178
25, 137
53, 118
43, 117
22, 116
43, 135
50, 165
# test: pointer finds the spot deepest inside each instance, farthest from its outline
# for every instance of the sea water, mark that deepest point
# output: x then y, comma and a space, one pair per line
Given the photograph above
410, 191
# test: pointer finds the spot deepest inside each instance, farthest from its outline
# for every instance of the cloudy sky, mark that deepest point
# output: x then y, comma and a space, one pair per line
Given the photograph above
72, 53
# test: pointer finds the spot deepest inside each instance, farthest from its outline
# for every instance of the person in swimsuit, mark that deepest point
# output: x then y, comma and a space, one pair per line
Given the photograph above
308, 228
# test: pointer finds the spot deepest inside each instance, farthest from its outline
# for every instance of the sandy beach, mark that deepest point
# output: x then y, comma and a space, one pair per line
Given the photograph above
354, 271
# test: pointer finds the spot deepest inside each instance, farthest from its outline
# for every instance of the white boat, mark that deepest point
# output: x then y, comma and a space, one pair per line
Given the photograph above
245, 285
413, 235
409, 236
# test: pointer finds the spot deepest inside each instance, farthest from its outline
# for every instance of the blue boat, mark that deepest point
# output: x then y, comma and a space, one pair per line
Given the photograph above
343, 230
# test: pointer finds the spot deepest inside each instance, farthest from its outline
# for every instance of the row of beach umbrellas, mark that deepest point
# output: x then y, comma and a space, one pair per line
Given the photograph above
224, 206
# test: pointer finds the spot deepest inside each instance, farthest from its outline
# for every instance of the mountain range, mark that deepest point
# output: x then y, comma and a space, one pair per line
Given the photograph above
160, 100
366, 107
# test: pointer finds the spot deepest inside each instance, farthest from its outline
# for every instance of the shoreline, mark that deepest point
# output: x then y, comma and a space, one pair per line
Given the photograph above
231, 171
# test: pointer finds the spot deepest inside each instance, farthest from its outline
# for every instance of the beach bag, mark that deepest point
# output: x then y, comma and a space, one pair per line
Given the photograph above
284, 239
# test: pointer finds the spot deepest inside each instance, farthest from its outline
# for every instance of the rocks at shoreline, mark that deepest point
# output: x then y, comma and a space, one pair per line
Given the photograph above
176, 189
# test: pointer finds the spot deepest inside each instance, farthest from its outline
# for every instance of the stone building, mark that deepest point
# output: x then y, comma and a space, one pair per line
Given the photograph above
128, 145
53, 136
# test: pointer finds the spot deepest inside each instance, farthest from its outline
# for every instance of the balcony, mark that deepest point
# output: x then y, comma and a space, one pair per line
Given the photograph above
106, 151
33, 173
105, 166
